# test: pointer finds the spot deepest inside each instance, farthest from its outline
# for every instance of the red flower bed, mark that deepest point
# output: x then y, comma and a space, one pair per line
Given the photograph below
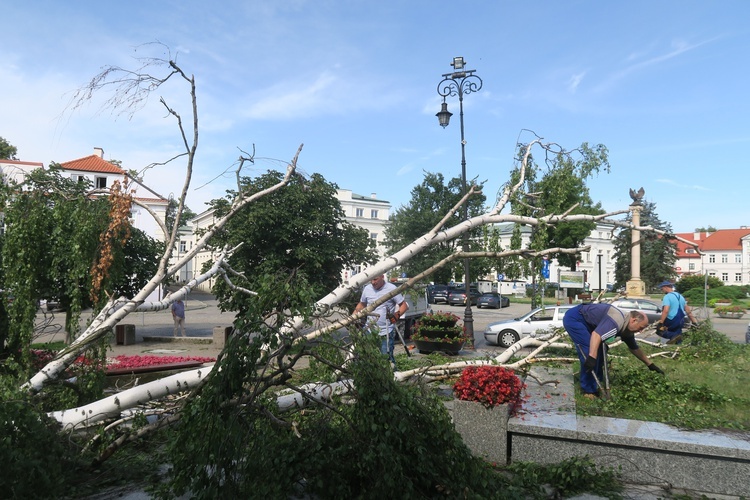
124, 361
41, 357
489, 385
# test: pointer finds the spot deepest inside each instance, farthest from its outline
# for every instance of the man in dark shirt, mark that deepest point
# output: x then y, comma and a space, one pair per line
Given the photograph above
591, 324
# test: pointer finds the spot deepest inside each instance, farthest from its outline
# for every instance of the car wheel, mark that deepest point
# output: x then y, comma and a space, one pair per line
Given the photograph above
507, 338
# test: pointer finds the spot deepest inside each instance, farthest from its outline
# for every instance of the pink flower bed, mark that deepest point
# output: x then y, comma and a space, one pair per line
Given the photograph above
42, 357
137, 361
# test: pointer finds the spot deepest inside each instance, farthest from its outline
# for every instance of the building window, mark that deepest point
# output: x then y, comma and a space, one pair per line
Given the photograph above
725, 277
374, 236
738, 277
724, 258
77, 178
738, 258
690, 250
712, 274
373, 214
101, 182
711, 258
183, 246
691, 266
360, 212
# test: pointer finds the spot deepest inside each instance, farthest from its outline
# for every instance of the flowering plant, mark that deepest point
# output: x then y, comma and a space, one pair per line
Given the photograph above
489, 385
440, 324
440, 317
41, 357
729, 309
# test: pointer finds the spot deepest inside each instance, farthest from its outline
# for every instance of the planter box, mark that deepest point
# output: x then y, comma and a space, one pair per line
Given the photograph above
484, 430
731, 315
427, 347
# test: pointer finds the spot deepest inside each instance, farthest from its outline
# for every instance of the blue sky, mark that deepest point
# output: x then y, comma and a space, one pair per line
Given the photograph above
662, 84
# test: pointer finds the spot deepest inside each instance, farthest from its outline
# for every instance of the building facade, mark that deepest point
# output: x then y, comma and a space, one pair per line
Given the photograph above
597, 264
723, 254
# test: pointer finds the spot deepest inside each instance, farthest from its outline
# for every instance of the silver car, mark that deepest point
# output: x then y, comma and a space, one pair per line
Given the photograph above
651, 309
508, 332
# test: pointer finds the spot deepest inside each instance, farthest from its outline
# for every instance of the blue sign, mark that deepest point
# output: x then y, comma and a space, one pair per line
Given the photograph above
545, 268
500, 277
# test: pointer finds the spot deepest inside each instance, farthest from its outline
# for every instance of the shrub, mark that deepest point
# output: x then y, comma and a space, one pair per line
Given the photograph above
489, 385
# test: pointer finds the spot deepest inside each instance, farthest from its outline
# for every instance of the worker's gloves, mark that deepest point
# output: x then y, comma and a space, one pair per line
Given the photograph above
655, 368
394, 317
590, 364
660, 327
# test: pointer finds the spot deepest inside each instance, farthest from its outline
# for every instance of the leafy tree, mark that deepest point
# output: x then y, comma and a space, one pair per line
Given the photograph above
72, 228
657, 252
171, 214
7, 150
697, 281
301, 227
709, 229
555, 189
430, 201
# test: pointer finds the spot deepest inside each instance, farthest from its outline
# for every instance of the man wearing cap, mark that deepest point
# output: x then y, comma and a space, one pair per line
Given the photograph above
674, 309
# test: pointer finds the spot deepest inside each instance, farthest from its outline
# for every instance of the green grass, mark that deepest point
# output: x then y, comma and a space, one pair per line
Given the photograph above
706, 386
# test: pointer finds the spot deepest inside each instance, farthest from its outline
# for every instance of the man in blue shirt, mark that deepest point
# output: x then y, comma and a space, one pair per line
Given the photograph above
674, 309
589, 325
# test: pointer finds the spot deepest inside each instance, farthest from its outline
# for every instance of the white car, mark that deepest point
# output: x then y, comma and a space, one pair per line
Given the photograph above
508, 332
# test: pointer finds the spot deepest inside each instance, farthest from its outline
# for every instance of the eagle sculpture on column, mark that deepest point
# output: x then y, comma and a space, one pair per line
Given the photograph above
637, 195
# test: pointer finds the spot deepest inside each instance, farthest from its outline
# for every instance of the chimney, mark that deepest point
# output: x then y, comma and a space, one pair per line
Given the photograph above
373, 195
99, 152
696, 236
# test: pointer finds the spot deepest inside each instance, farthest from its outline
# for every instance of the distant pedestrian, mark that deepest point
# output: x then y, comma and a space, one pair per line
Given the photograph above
178, 315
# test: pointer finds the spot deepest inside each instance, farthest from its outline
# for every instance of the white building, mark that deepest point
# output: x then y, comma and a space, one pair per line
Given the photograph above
369, 213
724, 254
103, 173
598, 264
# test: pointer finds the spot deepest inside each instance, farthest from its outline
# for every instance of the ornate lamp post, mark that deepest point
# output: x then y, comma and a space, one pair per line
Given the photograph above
459, 83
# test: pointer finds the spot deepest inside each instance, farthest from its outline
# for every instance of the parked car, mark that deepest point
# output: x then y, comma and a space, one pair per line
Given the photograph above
651, 309
440, 293
457, 296
492, 299
508, 332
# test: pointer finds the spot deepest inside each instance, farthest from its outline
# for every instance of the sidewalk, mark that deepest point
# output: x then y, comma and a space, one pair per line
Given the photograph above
153, 330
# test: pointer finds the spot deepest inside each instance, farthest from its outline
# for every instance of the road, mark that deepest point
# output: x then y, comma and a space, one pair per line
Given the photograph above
735, 329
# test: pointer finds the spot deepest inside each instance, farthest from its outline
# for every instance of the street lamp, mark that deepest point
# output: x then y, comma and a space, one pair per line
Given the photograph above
459, 83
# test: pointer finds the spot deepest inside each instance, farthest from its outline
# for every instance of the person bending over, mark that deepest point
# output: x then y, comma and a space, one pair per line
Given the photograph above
591, 324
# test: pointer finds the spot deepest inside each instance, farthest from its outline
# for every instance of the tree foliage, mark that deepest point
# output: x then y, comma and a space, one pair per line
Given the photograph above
7, 150
686, 283
76, 242
657, 252
556, 186
382, 440
301, 227
430, 202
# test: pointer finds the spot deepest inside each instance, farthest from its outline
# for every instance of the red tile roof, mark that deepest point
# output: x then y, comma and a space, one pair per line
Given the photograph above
724, 239
683, 247
92, 163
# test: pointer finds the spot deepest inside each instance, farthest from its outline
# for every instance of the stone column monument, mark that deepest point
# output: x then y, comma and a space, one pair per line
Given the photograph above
635, 287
